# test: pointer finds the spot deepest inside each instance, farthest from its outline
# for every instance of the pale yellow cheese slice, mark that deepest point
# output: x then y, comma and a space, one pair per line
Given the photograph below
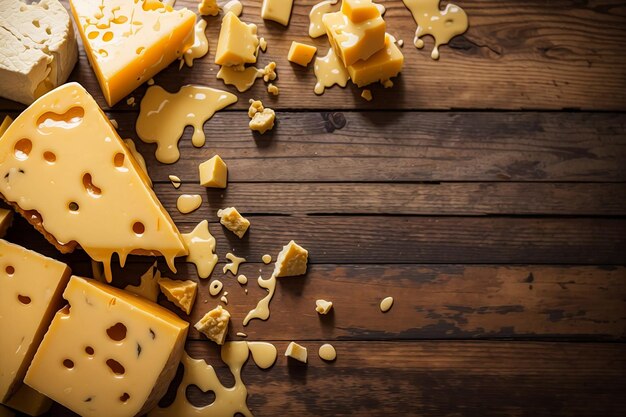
65, 168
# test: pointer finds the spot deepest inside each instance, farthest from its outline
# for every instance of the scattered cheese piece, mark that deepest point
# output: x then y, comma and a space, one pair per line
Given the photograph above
277, 10
6, 218
269, 72
400, 43
301, 53
329, 70
255, 107
215, 287
224, 299
233, 266
385, 304
323, 306
175, 180
131, 101
237, 43
129, 345
367, 94
296, 352
28, 401
387, 83
291, 261
233, 221
117, 126
316, 27
381, 66
214, 324
181, 293
272, 89
150, 81
233, 6
242, 334
262, 45
148, 284
242, 279
187, 203
201, 246
262, 117
327, 352
213, 173
267, 258
208, 8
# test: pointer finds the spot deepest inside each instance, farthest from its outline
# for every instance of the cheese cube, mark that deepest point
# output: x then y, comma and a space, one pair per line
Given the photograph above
237, 43
291, 261
359, 10
213, 173
323, 306
214, 324
181, 293
277, 10
28, 401
233, 221
381, 66
129, 42
354, 41
301, 53
30, 293
6, 217
296, 352
110, 353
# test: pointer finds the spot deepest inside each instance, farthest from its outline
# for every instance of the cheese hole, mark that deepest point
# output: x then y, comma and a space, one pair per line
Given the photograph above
120, 19
68, 363
50, 157
108, 36
139, 228
10, 270
117, 332
118, 160
65, 310
93, 35
73, 206
36, 23
125, 397
103, 53
115, 367
24, 299
140, 50
198, 398
89, 351
22, 149
68, 120
48, 31
90, 187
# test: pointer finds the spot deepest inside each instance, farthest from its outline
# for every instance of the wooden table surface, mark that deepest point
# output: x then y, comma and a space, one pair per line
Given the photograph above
485, 192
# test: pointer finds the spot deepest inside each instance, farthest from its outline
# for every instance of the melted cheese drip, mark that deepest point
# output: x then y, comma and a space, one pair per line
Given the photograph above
233, 267
187, 203
242, 279
385, 304
316, 27
242, 80
163, 116
200, 45
267, 258
216, 287
233, 6
262, 309
327, 352
176, 181
442, 25
201, 245
264, 354
329, 71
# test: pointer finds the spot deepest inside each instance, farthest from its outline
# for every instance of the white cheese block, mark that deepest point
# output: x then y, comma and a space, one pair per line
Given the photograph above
38, 48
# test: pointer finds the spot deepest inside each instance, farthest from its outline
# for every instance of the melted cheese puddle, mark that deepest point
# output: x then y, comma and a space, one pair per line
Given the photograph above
216, 287
385, 304
201, 245
187, 203
442, 25
233, 266
242, 80
316, 27
329, 71
264, 354
163, 116
262, 309
327, 352
200, 45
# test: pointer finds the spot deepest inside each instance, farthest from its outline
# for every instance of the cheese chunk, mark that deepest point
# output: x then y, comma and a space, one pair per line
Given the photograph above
129, 42
110, 353
323, 306
208, 8
359, 10
291, 261
214, 324
233, 221
28, 401
381, 66
353, 41
181, 293
277, 10
70, 174
263, 121
6, 217
213, 173
296, 352
301, 53
237, 43
38, 48
30, 293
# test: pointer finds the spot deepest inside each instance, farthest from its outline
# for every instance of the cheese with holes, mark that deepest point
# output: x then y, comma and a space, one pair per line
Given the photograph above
381, 66
291, 261
233, 221
296, 352
181, 293
28, 401
301, 53
30, 293
277, 10
237, 43
66, 169
129, 42
38, 48
110, 353
6, 217
213, 173
352, 40
214, 324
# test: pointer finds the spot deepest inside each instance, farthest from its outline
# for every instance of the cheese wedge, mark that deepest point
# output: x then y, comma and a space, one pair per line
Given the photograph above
181, 293
108, 353
68, 172
130, 41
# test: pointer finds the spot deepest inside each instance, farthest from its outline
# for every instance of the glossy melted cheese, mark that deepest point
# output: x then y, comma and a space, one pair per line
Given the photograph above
62, 159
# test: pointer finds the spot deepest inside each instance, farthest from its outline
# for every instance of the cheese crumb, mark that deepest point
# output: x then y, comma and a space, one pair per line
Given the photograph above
233, 221
323, 306
262, 117
291, 261
208, 8
131, 101
367, 95
272, 89
255, 107
269, 72
214, 324
296, 352
114, 123
387, 83
224, 299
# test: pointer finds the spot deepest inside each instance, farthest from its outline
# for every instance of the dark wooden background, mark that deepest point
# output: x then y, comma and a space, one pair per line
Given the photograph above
485, 192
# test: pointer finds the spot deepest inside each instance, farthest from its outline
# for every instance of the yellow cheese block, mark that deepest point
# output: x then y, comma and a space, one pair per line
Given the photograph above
237, 43
359, 10
28, 401
301, 53
110, 353
30, 293
277, 10
381, 66
6, 217
69, 172
129, 41
213, 173
354, 41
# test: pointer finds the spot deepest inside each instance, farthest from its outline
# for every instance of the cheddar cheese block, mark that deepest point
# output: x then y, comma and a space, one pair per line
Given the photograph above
129, 41
381, 66
109, 353
68, 172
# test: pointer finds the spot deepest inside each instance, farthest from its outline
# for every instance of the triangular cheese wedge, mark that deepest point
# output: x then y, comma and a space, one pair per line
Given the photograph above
129, 41
64, 168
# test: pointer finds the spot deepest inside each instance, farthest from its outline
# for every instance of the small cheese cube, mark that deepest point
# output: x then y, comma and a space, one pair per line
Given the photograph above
237, 43
111, 353
28, 401
323, 306
301, 53
181, 293
233, 221
277, 10
381, 66
291, 261
6, 217
213, 173
30, 293
359, 10
296, 352
214, 324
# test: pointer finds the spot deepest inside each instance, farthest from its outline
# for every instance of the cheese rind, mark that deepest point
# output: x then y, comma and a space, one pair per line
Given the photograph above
296, 352
233, 221
291, 261
237, 43
213, 173
277, 10
181, 293
381, 66
301, 53
129, 42
126, 343
214, 324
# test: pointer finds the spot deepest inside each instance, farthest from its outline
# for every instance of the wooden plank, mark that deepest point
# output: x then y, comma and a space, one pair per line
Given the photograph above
433, 379
522, 54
